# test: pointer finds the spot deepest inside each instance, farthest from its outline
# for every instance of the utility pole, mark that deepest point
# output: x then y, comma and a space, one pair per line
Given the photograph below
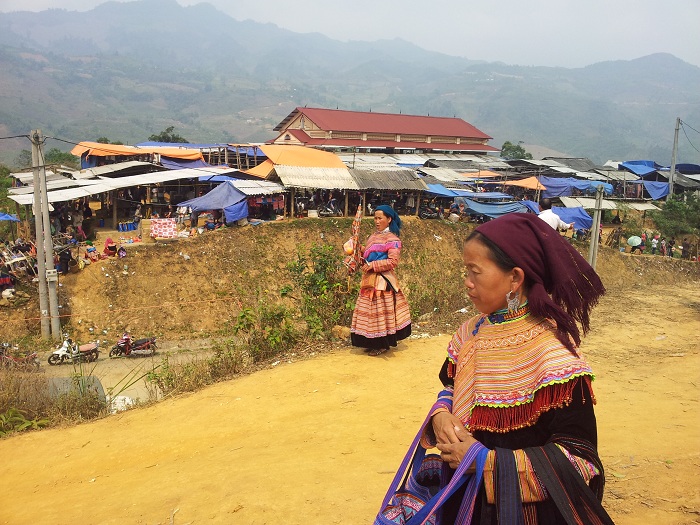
595, 229
51, 275
39, 227
672, 175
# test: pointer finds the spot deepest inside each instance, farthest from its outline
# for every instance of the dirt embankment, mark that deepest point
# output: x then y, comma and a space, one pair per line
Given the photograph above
318, 440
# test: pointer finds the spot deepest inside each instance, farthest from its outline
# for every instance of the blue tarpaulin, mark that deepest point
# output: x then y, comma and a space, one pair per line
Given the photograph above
494, 209
440, 190
640, 167
656, 190
579, 216
532, 206
563, 186
224, 197
180, 164
8, 217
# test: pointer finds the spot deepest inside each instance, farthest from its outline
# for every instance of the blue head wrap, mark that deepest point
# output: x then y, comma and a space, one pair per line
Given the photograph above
395, 224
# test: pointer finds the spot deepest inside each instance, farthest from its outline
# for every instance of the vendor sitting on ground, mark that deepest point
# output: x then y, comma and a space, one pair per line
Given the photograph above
110, 248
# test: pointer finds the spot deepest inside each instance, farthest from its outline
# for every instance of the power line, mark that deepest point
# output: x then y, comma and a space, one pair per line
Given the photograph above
15, 137
691, 127
687, 137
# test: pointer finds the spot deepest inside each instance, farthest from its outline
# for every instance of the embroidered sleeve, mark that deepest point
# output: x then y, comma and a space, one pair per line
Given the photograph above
443, 404
392, 260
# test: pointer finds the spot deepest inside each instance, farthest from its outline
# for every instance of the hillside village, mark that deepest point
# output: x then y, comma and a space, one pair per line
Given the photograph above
322, 156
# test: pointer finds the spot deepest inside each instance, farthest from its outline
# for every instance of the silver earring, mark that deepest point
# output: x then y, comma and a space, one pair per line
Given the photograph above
513, 300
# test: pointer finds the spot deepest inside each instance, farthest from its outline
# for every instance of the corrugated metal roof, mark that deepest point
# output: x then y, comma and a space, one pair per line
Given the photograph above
398, 179
429, 179
27, 177
104, 184
589, 204
620, 175
448, 175
257, 187
319, 178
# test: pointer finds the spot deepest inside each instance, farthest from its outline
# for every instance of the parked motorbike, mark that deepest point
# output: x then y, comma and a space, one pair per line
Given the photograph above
7, 360
127, 347
330, 209
430, 212
73, 353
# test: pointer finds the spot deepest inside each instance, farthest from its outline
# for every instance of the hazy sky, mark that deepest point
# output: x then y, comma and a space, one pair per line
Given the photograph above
525, 32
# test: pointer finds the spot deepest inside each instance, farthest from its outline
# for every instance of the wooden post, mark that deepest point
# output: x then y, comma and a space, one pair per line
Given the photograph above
114, 209
418, 203
347, 202
294, 205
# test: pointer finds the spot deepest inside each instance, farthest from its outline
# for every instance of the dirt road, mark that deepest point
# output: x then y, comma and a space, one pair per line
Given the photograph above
317, 441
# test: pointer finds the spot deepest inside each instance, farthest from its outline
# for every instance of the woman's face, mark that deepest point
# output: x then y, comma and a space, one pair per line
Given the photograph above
381, 221
487, 284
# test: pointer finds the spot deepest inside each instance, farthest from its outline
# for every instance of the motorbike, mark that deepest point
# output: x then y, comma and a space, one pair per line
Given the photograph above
330, 209
73, 353
7, 360
127, 347
430, 212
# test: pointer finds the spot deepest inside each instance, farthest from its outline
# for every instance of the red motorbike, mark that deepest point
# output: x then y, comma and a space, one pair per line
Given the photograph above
127, 347
7, 360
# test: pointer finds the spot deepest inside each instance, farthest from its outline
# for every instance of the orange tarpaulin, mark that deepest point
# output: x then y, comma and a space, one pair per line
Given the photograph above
301, 156
531, 183
97, 149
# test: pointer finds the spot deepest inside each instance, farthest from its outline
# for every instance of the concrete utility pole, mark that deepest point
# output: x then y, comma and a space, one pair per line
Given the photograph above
672, 175
595, 229
51, 275
38, 226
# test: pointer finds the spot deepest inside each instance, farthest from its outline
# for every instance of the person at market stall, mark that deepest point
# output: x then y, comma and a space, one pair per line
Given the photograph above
381, 317
515, 379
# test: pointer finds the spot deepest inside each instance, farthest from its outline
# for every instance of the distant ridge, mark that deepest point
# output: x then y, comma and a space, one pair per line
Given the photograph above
128, 70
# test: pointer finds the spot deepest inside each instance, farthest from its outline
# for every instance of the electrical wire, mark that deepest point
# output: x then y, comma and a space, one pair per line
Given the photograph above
15, 137
687, 137
691, 127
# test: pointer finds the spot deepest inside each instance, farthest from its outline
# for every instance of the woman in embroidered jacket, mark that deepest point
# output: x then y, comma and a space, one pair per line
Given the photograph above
516, 382
381, 317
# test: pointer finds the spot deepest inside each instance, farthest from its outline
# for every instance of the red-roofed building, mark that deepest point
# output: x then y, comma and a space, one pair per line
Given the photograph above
335, 129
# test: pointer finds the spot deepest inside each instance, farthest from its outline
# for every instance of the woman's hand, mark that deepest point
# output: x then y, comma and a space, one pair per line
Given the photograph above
366, 268
453, 440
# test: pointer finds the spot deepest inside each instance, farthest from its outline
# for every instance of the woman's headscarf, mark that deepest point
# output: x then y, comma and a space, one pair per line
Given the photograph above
563, 286
395, 224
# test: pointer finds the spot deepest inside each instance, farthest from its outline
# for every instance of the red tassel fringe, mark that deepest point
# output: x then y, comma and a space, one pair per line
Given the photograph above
502, 420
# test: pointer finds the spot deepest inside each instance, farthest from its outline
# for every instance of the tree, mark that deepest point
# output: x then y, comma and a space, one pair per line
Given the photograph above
24, 159
105, 140
168, 136
56, 156
511, 151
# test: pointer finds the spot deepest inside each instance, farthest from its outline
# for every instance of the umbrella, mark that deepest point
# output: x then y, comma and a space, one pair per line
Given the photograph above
354, 259
634, 240
8, 217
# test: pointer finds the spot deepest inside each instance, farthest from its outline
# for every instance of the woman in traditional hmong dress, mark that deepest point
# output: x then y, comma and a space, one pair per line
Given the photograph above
381, 317
515, 381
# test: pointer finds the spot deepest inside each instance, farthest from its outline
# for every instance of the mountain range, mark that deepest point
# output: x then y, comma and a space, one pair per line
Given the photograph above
125, 71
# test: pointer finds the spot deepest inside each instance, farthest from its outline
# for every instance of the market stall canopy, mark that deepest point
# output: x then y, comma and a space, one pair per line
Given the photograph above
296, 156
388, 179
558, 187
8, 217
577, 215
104, 184
97, 149
495, 209
589, 204
224, 197
530, 183
316, 177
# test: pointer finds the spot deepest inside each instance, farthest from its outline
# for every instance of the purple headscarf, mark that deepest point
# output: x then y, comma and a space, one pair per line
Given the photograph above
563, 286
